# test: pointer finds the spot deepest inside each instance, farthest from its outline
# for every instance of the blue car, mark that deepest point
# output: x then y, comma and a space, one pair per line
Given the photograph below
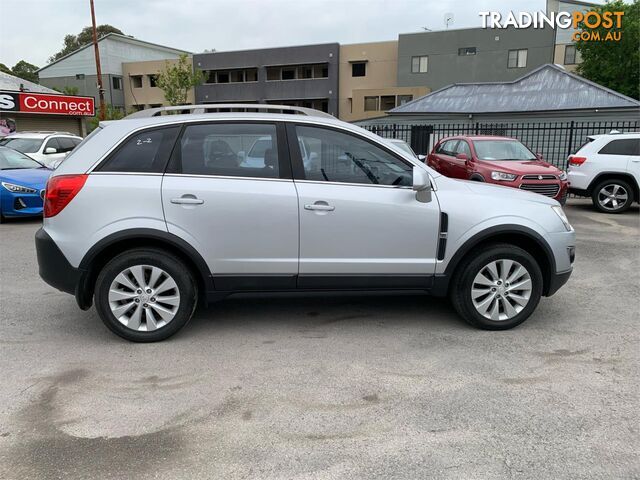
22, 183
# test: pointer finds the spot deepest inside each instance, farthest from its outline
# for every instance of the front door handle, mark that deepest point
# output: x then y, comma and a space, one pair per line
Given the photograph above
320, 207
187, 200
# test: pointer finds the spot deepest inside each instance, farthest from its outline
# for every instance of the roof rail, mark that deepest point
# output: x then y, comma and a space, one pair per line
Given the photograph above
207, 107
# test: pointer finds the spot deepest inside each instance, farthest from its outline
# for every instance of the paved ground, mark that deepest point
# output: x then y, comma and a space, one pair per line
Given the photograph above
313, 388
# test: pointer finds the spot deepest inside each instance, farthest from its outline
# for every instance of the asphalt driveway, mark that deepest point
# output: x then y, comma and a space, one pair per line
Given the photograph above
342, 387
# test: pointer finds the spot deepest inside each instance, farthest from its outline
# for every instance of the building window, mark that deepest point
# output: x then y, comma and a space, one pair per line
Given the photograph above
419, 64
464, 51
136, 81
297, 72
402, 99
387, 102
359, 69
517, 58
231, 76
116, 83
371, 104
153, 80
571, 55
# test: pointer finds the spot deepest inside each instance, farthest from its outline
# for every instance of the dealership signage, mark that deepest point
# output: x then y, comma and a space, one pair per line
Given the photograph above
25, 102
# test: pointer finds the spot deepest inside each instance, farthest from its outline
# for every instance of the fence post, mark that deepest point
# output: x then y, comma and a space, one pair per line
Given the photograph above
570, 148
477, 129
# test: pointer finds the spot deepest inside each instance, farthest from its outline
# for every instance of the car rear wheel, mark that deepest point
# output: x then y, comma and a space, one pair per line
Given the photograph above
145, 295
497, 289
612, 196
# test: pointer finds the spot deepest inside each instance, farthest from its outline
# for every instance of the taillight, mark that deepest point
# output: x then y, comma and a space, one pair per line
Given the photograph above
60, 191
577, 161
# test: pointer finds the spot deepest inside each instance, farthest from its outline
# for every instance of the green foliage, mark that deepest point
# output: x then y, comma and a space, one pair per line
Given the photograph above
22, 69
177, 79
110, 113
74, 42
616, 65
68, 90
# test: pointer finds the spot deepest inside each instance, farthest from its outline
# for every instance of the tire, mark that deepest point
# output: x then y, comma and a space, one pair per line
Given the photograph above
465, 278
619, 188
143, 317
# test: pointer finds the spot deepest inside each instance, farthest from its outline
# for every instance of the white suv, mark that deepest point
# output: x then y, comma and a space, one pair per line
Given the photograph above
607, 169
48, 148
152, 215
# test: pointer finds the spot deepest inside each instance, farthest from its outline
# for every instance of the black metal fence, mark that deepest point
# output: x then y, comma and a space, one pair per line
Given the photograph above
554, 140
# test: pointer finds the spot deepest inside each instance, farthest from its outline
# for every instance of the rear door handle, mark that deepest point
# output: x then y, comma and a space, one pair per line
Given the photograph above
190, 200
320, 207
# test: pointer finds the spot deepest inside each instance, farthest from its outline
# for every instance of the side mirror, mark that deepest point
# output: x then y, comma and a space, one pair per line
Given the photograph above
539, 156
50, 150
422, 158
421, 185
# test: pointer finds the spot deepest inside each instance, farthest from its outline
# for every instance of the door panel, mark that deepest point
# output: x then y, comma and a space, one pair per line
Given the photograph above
370, 231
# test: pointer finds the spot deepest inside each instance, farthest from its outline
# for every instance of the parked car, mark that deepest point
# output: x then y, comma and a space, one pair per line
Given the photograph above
499, 160
48, 148
401, 144
148, 223
607, 169
22, 183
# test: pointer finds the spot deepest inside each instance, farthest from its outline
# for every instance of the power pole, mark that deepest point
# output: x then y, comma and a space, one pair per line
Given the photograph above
101, 113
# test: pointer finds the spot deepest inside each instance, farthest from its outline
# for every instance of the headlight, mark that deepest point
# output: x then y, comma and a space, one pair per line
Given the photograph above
507, 177
563, 217
562, 176
18, 188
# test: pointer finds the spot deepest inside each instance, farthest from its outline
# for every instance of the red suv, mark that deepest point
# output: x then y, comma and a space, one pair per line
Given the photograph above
500, 160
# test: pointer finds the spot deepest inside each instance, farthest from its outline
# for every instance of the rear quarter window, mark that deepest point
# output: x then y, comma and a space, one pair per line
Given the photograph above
622, 146
147, 151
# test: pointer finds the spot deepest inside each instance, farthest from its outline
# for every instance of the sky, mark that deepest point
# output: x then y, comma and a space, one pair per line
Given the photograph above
37, 27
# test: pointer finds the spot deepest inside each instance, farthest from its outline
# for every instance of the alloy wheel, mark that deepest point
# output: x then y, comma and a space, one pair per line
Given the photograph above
501, 289
144, 298
613, 197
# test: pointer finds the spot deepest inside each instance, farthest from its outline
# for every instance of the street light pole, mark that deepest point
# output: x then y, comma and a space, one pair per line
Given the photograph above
101, 114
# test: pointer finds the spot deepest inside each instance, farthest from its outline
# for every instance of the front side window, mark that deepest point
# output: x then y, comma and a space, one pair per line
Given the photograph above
502, 150
66, 144
419, 64
52, 143
517, 58
143, 152
339, 157
228, 149
463, 147
623, 146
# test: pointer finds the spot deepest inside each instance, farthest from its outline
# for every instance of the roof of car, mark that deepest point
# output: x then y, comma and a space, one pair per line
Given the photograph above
40, 134
477, 137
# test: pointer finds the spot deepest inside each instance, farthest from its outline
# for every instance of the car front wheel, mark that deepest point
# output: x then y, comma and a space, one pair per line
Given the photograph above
612, 196
145, 295
497, 289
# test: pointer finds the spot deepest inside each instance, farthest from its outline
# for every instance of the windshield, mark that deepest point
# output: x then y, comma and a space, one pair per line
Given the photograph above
10, 159
24, 145
405, 148
502, 150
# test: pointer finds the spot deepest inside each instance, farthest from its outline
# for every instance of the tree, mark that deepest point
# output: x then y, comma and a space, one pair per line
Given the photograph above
110, 113
613, 64
5, 69
85, 37
177, 79
26, 71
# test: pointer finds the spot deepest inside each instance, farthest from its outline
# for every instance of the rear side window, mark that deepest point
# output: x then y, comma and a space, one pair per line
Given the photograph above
143, 152
623, 146
228, 149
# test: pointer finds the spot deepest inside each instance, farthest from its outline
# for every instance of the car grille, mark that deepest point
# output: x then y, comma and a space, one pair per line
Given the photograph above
539, 177
547, 189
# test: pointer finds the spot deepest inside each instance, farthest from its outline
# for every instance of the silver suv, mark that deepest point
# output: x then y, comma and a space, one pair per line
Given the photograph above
155, 214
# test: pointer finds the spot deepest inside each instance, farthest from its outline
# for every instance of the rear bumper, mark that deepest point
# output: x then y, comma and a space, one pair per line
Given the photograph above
53, 266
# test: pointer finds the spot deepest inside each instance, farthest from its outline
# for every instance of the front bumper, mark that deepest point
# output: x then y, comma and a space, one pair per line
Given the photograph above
556, 281
20, 204
53, 266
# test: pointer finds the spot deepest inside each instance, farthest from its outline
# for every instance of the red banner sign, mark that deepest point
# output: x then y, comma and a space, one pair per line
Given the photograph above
46, 104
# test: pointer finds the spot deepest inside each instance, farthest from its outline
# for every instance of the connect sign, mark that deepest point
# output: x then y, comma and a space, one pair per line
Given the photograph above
46, 104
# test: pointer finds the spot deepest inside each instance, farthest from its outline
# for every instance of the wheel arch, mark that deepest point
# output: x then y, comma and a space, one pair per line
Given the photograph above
616, 175
518, 235
98, 256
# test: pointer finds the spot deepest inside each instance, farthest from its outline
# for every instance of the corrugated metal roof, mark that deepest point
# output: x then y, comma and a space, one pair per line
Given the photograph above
547, 88
9, 82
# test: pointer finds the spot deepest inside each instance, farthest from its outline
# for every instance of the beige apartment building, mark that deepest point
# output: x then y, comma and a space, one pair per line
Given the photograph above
367, 81
140, 90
